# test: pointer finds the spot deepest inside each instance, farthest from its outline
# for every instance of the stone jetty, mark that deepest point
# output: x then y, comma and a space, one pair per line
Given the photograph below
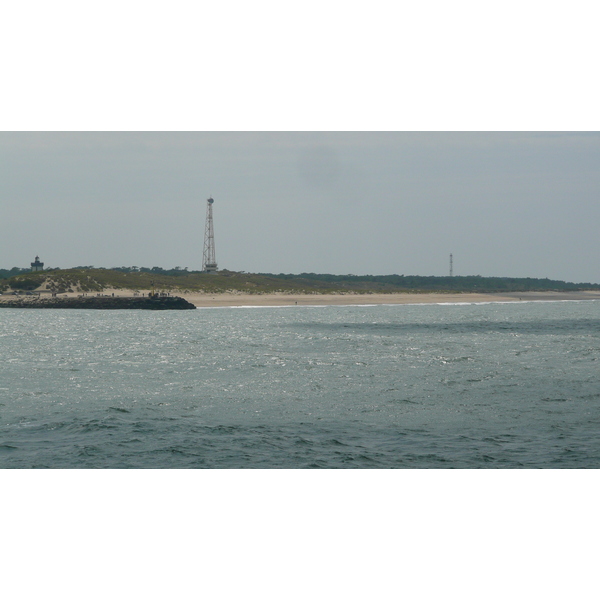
99, 302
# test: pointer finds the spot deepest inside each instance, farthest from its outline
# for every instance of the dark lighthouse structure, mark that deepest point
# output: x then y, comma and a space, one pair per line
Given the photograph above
37, 265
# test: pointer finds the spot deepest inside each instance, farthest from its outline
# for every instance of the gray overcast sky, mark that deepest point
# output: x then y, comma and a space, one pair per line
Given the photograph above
504, 204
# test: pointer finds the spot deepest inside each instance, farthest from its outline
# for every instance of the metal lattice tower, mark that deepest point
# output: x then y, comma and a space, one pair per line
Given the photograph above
451, 267
209, 262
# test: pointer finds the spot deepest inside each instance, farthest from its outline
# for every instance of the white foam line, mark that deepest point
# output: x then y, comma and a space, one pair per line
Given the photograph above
277, 306
399, 304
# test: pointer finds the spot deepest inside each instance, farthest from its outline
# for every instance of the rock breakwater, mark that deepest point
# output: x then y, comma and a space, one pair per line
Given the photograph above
100, 303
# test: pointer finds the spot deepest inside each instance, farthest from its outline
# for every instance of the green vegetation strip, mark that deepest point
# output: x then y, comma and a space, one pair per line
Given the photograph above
89, 280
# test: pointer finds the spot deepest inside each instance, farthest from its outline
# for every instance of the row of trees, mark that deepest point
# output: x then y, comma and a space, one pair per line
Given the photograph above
156, 270
474, 283
6, 273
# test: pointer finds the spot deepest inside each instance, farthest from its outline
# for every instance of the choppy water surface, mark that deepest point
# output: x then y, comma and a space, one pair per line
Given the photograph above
423, 386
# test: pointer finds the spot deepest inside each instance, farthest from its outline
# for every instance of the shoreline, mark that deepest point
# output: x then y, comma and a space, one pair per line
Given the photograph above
233, 300
203, 300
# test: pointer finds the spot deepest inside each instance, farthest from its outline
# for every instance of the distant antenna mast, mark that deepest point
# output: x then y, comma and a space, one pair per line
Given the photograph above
209, 262
451, 269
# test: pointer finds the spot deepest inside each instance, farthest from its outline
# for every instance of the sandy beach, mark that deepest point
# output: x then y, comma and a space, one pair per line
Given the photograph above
228, 299
208, 300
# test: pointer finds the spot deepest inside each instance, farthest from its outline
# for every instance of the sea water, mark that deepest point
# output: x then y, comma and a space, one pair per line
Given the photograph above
491, 385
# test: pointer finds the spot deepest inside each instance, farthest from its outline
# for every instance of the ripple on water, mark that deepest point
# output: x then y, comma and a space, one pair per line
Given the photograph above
456, 386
